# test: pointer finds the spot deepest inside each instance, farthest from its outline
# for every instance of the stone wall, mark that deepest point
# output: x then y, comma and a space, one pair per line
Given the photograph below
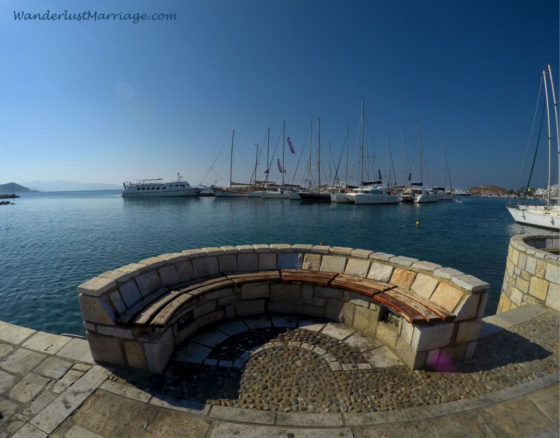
532, 273
108, 299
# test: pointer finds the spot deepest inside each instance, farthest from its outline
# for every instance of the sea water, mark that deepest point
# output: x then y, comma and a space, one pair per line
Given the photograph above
52, 242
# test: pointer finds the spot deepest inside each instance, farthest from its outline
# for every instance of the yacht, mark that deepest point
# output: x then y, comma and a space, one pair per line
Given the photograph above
153, 188
372, 195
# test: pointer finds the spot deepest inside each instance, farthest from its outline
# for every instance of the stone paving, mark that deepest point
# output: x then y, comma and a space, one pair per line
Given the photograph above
282, 376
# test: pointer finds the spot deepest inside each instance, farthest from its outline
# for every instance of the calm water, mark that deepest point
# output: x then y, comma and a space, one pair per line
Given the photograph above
52, 242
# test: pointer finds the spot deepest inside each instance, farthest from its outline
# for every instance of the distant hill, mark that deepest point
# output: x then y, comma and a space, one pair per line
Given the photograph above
488, 190
12, 187
69, 186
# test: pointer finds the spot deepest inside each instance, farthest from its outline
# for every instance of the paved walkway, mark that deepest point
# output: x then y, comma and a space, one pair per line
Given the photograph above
285, 377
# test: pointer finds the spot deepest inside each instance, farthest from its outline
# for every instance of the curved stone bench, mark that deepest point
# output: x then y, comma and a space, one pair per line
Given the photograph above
136, 315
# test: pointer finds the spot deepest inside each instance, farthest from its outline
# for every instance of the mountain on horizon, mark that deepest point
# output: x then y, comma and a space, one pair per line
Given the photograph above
68, 186
13, 187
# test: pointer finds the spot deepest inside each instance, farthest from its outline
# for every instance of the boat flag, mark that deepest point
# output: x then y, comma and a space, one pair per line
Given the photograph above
291, 145
279, 166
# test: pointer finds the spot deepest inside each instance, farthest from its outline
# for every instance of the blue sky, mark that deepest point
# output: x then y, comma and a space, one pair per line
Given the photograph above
110, 101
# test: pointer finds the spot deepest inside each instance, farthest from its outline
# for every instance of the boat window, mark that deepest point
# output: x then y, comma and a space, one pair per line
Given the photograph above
182, 185
158, 188
163, 188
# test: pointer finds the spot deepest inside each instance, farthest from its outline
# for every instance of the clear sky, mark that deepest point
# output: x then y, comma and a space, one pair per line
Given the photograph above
110, 101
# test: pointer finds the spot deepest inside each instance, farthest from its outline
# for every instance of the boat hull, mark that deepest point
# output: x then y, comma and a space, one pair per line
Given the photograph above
423, 198
536, 217
339, 198
366, 198
315, 196
229, 193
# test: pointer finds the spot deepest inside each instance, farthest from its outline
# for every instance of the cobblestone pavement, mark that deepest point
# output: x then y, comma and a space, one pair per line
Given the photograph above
284, 376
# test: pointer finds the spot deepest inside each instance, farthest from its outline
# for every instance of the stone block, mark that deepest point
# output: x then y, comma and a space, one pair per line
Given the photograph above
514, 256
540, 270
522, 285
261, 247
211, 251
105, 349
211, 318
310, 310
334, 310
159, 353
365, 320
46, 342
424, 285
148, 282
227, 263
482, 304
327, 292
96, 310
447, 273
117, 302
381, 256
289, 260
403, 261
412, 359
267, 261
130, 293
206, 266
531, 265
361, 253
522, 260
341, 250
446, 296
425, 266
203, 309
281, 307
468, 308
186, 332
281, 247
97, 286
308, 297
538, 288
135, 356
219, 295
380, 272
407, 329
468, 331
28, 388
387, 333
248, 262
116, 332
168, 275
250, 307
552, 273
357, 267
504, 305
470, 283
348, 310
358, 299
553, 297
256, 290
430, 336
312, 262
403, 278
285, 292
321, 249
469, 351
185, 271
516, 296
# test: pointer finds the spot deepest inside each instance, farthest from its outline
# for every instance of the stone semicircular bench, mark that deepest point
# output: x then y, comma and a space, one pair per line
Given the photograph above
136, 315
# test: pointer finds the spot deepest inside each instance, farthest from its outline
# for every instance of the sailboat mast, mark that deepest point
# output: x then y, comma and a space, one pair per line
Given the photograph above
310, 148
555, 102
283, 151
267, 157
256, 163
362, 148
347, 147
319, 153
388, 164
403, 159
549, 139
231, 158
420, 156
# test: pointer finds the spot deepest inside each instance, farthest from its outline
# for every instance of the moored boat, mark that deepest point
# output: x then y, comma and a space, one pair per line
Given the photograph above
153, 188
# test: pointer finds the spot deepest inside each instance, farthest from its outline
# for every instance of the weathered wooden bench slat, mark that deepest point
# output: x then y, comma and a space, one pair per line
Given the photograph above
426, 313
309, 277
129, 315
165, 314
360, 285
212, 284
146, 315
413, 296
408, 312
255, 277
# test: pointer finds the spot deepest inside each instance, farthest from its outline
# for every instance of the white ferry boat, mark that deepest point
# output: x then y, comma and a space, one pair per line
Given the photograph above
152, 188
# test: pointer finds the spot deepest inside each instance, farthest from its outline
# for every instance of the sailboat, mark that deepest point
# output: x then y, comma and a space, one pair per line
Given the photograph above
315, 193
370, 193
543, 216
338, 194
422, 195
234, 190
445, 194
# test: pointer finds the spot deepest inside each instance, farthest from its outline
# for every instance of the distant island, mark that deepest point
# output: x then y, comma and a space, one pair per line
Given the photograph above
12, 187
69, 186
